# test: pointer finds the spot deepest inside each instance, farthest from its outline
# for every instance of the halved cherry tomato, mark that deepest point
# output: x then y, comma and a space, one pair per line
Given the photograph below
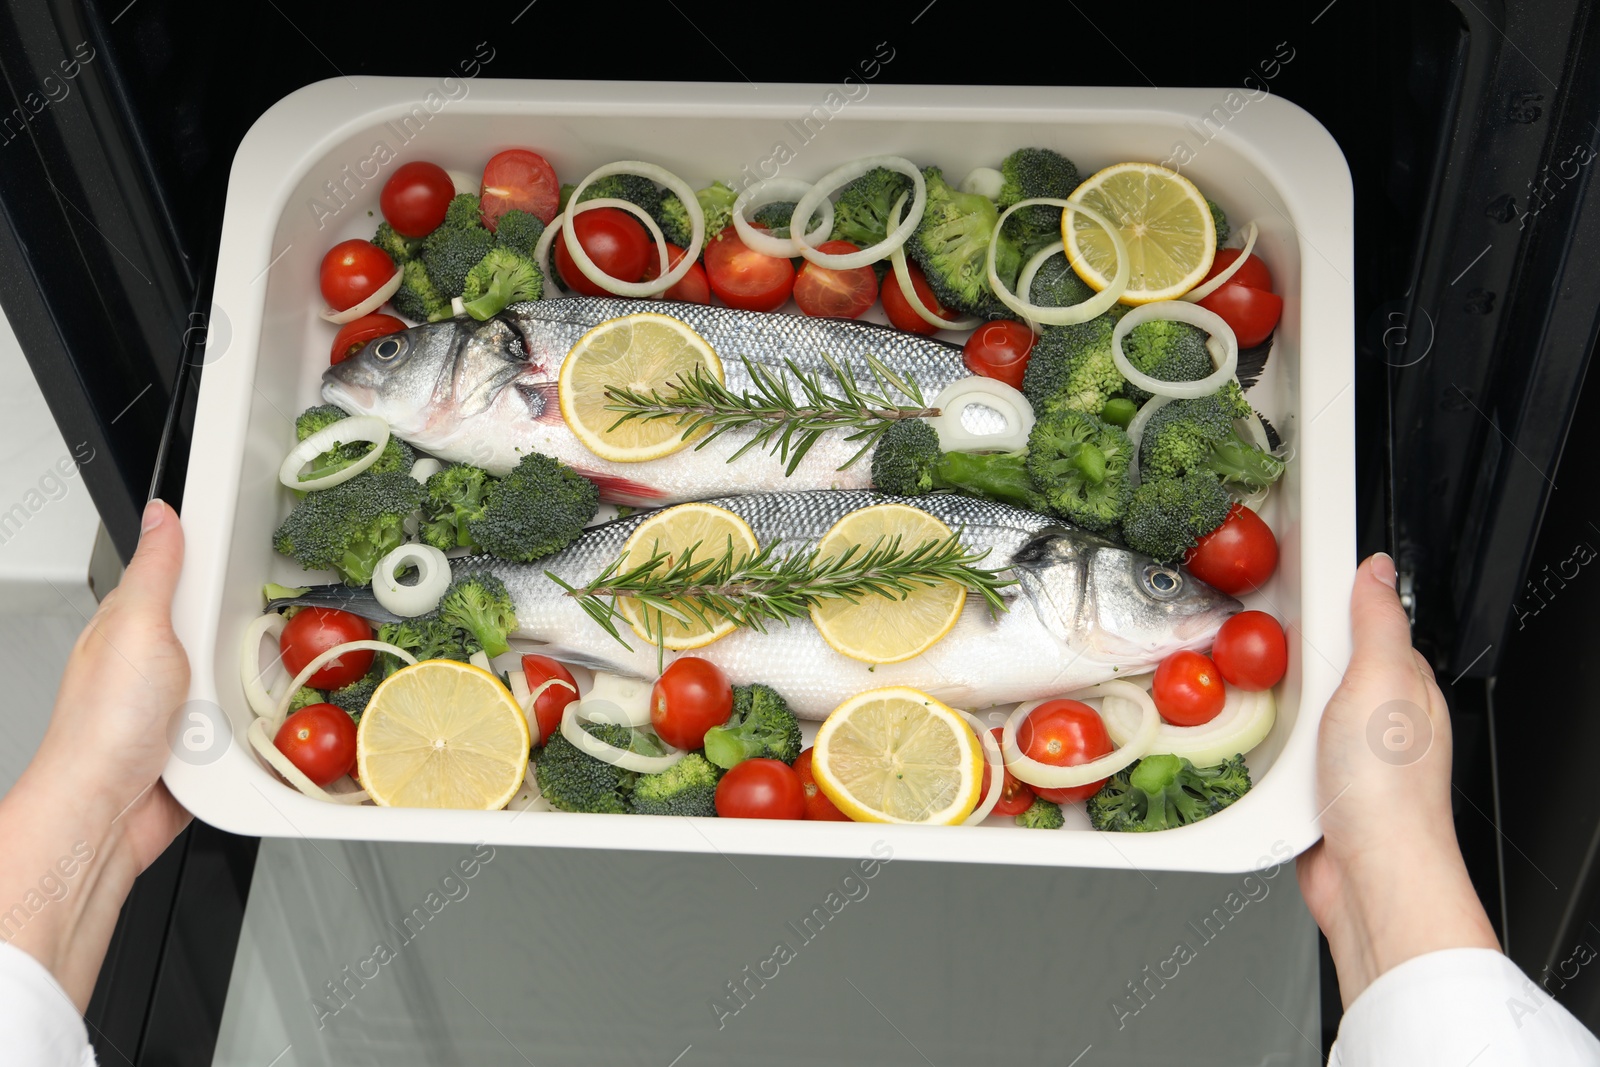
1236, 557
899, 311
746, 279
1064, 733
553, 701
1246, 301
1251, 651
518, 178
999, 350
818, 806
616, 242
415, 197
692, 288
691, 696
312, 632
352, 271
1188, 689
354, 335
761, 789
835, 294
1015, 795
319, 739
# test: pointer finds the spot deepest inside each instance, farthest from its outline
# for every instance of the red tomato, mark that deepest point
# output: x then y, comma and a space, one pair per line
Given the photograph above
1246, 301
1236, 557
354, 335
415, 197
616, 242
818, 806
1253, 274
746, 279
312, 632
1251, 651
352, 271
999, 350
1188, 689
691, 696
518, 178
835, 294
319, 739
899, 310
554, 700
761, 789
1064, 733
692, 288
1015, 795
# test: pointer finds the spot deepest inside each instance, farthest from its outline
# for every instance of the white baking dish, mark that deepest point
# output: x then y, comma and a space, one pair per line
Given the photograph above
308, 174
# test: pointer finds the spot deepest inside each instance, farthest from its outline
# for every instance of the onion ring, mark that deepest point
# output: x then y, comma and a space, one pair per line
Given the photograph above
294, 775
1178, 311
258, 696
997, 769
1243, 723
1049, 776
369, 305
355, 428
423, 595
628, 697
1211, 285
1136, 433
1009, 403
839, 176
668, 278
902, 277
320, 661
541, 251
1030, 271
985, 181
627, 759
773, 191
1098, 304
426, 468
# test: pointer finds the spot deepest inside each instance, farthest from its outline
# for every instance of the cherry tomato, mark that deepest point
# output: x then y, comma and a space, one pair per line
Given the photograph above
999, 350
692, 288
312, 632
899, 310
352, 271
553, 701
1188, 689
518, 178
761, 789
1236, 557
746, 279
319, 739
415, 197
1246, 301
1251, 651
616, 242
691, 696
1015, 795
1064, 733
835, 294
818, 806
1253, 274
354, 335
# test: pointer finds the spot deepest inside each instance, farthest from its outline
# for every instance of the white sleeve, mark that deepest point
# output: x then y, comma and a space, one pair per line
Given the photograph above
42, 1028
1459, 1006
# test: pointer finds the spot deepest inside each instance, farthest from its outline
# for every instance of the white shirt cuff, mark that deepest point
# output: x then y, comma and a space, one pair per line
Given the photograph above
41, 1025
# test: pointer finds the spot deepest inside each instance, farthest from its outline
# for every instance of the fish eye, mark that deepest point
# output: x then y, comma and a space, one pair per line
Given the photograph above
1162, 583
388, 348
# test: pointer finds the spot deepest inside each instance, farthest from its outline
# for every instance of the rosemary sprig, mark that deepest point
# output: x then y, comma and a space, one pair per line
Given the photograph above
754, 590
786, 425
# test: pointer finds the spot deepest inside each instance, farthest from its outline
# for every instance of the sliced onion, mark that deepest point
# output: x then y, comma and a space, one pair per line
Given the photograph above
1098, 304
1136, 433
261, 741
615, 698
902, 277
541, 251
367, 306
1178, 311
661, 176
606, 753
480, 660
458, 308
355, 428
526, 699
774, 191
1009, 403
529, 797
1030, 271
1206, 288
1243, 723
997, 769
409, 601
840, 176
426, 468
1048, 776
258, 696
327, 657
985, 181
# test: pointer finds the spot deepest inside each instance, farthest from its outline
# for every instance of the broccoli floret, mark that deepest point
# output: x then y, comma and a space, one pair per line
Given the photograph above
1031, 172
417, 298
1199, 434
861, 215
572, 780
761, 727
775, 218
1071, 367
425, 637
453, 498
907, 462
688, 787
716, 203
634, 188
452, 250
1079, 466
304, 697
273, 591
353, 698
463, 211
951, 245
501, 278
1162, 792
539, 508
396, 455
1224, 231
1166, 516
400, 248
1056, 284
1042, 815
478, 603
1169, 350
520, 232
351, 526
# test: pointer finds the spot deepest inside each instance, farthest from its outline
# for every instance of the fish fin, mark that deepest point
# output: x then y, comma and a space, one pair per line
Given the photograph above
618, 490
1252, 361
543, 400
358, 600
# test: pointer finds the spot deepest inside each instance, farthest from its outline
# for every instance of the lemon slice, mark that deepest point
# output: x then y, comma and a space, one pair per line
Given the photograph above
675, 531
1167, 224
898, 755
644, 352
886, 629
442, 734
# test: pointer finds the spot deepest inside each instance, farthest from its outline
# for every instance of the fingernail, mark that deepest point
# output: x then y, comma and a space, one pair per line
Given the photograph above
154, 513
1383, 568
